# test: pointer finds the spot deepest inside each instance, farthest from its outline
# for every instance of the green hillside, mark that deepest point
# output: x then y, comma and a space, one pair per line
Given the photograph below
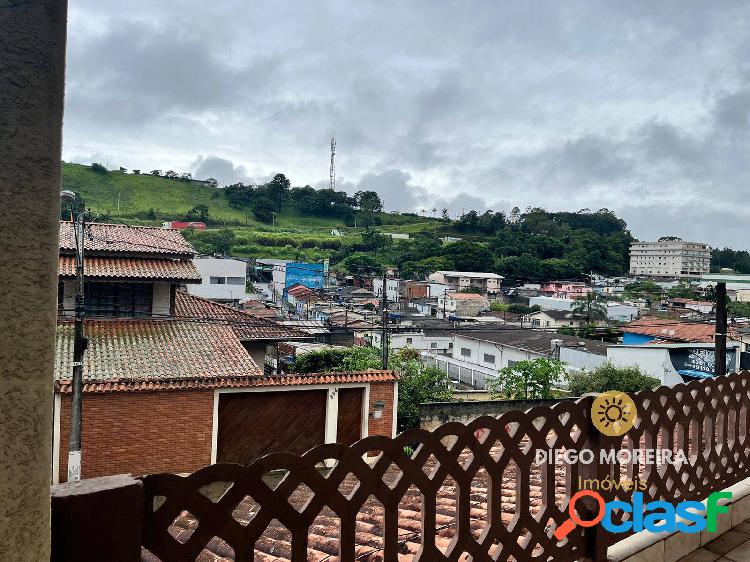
116, 196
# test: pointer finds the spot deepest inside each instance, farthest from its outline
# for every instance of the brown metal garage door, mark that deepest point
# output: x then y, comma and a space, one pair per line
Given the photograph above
253, 424
349, 427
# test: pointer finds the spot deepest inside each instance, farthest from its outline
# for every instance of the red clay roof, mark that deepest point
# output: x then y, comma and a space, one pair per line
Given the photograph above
126, 239
131, 268
246, 326
118, 385
466, 296
133, 352
698, 332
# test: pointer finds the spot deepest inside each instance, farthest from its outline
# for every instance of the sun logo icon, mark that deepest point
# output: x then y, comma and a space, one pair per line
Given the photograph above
613, 413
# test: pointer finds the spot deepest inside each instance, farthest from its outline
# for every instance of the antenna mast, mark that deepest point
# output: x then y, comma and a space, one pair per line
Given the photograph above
333, 164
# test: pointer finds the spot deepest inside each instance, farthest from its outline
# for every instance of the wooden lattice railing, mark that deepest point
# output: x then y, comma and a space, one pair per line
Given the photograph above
466, 492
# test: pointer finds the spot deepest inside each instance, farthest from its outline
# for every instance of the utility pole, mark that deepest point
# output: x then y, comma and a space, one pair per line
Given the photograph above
79, 345
445, 299
384, 312
720, 338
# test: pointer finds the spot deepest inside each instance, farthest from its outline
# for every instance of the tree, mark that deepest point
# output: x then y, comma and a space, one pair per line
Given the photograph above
373, 240
591, 308
171, 174
469, 256
155, 172
357, 358
136, 172
186, 176
368, 201
98, 168
527, 380
417, 384
277, 189
198, 213
444, 214
610, 377
212, 182
361, 261
263, 209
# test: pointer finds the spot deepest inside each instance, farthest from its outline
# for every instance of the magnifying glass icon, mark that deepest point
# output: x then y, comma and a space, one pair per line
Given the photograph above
568, 525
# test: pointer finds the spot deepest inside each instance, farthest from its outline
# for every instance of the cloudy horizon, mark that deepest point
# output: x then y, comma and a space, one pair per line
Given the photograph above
638, 107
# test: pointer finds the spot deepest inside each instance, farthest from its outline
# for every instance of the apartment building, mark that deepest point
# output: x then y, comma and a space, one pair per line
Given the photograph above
488, 283
670, 257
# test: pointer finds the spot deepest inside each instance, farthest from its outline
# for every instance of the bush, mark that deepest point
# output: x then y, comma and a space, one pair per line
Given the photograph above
610, 377
98, 168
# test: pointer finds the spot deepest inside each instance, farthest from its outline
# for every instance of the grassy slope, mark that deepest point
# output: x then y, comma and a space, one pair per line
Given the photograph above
171, 199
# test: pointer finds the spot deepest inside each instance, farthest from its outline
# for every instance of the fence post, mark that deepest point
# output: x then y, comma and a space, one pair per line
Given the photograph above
98, 519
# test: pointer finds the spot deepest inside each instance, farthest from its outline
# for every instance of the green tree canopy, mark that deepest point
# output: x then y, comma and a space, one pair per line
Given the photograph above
527, 380
610, 377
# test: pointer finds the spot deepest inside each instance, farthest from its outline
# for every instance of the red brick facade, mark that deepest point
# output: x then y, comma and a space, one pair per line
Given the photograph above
166, 431
141, 432
383, 391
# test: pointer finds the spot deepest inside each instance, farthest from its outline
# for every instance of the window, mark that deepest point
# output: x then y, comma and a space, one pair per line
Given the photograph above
465, 352
433, 345
511, 362
118, 299
450, 345
217, 280
409, 340
235, 280
489, 358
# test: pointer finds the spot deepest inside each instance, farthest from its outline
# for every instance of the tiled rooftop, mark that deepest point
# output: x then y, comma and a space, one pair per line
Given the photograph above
699, 332
131, 268
136, 352
246, 326
121, 238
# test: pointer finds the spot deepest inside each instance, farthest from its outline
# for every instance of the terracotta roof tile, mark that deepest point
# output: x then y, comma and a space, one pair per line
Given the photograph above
245, 325
133, 385
698, 332
126, 239
131, 268
148, 351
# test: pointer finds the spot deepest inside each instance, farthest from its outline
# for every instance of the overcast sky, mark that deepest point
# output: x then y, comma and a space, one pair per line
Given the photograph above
640, 107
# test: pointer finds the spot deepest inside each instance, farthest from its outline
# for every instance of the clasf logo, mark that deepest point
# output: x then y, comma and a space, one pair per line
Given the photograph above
659, 516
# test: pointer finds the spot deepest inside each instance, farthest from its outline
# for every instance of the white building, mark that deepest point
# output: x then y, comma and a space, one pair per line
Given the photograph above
478, 356
428, 340
222, 279
620, 312
392, 287
553, 319
488, 283
670, 258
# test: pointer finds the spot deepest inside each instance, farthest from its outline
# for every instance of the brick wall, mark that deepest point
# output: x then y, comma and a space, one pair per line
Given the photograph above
140, 432
382, 391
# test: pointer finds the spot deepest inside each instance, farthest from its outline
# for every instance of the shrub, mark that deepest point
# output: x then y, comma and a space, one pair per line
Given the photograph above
610, 377
98, 168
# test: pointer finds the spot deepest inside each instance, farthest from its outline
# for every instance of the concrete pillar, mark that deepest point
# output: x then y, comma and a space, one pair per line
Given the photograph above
32, 68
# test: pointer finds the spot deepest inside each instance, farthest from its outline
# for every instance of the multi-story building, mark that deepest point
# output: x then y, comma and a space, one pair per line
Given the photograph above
488, 283
222, 279
670, 257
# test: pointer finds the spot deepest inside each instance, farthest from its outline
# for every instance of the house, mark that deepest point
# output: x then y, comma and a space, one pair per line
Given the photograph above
487, 283
564, 289
222, 279
392, 291
437, 341
173, 382
673, 363
620, 312
704, 307
649, 329
477, 356
461, 305
553, 319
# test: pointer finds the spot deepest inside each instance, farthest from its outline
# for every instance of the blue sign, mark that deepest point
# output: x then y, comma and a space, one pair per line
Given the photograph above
311, 275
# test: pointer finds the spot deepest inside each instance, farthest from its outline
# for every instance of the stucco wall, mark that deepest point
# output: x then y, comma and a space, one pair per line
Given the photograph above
32, 67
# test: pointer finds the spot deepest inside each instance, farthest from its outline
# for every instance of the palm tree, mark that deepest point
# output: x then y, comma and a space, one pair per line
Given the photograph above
591, 308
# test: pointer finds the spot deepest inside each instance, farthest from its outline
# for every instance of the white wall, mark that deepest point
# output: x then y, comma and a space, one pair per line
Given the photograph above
652, 361
161, 299
221, 268
421, 342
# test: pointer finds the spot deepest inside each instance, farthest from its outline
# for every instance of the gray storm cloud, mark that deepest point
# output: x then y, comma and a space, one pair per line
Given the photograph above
639, 107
